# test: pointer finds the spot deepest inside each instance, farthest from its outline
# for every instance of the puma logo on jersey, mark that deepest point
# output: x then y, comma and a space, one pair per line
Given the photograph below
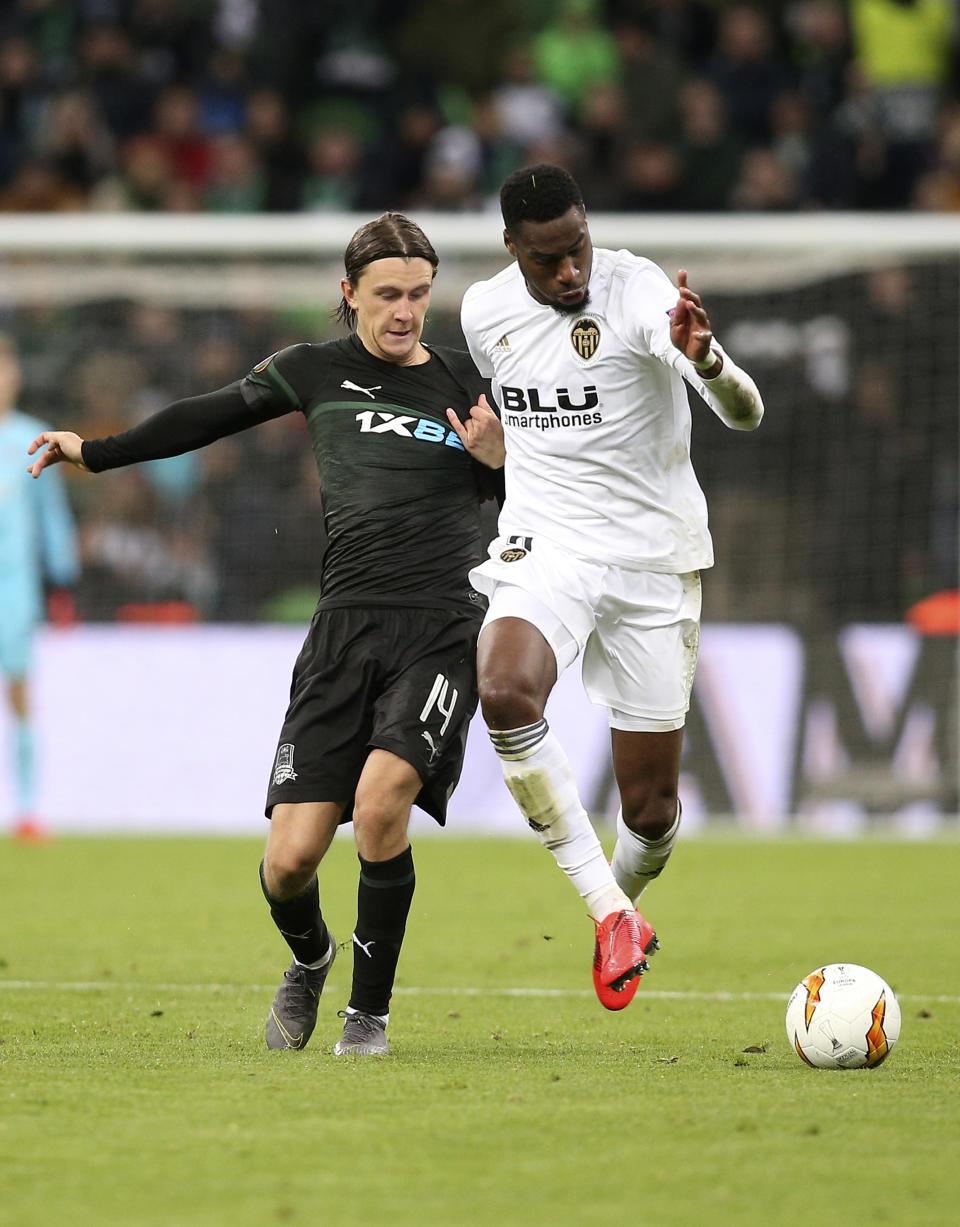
355, 387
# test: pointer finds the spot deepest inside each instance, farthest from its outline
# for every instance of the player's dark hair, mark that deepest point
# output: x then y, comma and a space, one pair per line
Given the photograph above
538, 193
391, 234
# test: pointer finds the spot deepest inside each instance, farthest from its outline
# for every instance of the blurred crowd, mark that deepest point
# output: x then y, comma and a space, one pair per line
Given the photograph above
281, 105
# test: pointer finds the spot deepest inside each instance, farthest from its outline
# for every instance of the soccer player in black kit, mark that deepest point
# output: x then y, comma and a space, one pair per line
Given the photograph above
384, 687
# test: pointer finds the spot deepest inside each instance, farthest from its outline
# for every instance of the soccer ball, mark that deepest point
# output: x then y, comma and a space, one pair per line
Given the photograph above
843, 1017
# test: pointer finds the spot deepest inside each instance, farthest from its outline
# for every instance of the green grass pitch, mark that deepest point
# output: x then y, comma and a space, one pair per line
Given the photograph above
135, 1087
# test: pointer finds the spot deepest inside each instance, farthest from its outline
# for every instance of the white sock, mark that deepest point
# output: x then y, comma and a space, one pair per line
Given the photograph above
637, 861
382, 1019
538, 774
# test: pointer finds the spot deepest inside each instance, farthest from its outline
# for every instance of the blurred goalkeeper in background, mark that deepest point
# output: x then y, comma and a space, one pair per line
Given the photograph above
602, 536
384, 687
38, 552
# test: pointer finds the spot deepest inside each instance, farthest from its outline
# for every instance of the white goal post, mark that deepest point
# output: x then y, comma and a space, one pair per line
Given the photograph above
470, 234
222, 258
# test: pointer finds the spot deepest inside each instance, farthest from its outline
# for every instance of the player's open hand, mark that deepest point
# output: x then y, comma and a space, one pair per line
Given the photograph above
60, 445
690, 326
481, 434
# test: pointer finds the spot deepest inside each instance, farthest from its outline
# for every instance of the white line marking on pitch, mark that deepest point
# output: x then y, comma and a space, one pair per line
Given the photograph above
427, 991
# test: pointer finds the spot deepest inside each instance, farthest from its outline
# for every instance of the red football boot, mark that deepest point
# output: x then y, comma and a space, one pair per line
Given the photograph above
619, 957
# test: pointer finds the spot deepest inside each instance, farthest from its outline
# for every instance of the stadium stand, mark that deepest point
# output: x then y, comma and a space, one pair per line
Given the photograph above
279, 105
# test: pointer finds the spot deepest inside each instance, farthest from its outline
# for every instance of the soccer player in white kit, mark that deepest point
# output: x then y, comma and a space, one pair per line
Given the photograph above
601, 538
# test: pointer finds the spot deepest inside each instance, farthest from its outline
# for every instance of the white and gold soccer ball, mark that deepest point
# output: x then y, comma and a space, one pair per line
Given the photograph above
843, 1016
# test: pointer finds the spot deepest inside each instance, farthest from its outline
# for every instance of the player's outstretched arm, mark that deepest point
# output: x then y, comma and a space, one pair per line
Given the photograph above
183, 426
481, 434
60, 445
731, 392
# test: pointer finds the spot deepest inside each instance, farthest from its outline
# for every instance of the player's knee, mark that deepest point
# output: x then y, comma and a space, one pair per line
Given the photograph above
507, 703
380, 829
649, 813
288, 870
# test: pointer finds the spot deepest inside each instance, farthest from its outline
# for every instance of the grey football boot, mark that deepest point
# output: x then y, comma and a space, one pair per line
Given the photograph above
364, 1035
293, 1014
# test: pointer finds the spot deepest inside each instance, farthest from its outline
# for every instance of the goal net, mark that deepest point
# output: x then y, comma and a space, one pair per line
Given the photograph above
834, 520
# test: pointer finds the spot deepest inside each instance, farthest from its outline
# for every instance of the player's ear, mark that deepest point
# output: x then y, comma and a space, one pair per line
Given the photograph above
509, 244
346, 289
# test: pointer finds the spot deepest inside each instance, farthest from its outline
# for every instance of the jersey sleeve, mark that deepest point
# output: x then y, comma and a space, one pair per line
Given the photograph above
183, 426
280, 383
473, 334
649, 299
274, 387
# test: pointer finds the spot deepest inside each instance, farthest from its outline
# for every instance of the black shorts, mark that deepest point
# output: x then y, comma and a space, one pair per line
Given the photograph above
395, 678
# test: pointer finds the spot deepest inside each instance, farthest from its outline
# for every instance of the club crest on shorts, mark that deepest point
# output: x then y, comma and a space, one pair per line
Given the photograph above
585, 337
283, 768
518, 547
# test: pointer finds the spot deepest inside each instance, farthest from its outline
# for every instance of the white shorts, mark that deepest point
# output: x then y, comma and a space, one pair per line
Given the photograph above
639, 631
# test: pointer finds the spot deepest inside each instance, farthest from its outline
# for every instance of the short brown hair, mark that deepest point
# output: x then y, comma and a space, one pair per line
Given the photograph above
391, 234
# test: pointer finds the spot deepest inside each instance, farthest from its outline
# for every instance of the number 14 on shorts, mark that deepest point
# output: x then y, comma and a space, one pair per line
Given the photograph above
443, 698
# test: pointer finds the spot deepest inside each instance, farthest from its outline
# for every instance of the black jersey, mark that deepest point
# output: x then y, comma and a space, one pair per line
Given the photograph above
399, 491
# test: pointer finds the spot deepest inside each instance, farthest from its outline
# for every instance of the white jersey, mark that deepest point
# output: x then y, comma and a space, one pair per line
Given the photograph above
595, 415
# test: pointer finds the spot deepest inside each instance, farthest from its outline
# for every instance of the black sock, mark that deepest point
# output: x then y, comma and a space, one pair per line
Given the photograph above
383, 901
300, 922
